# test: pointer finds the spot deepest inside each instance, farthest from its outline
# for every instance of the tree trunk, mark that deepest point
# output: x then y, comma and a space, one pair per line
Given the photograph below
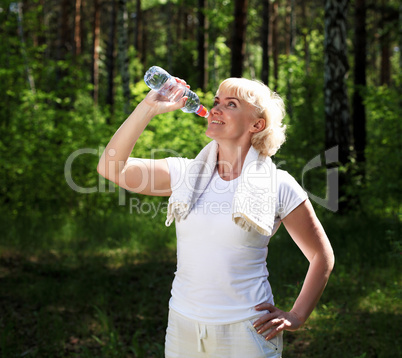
292, 30
122, 53
202, 45
110, 56
95, 51
64, 31
385, 72
336, 104
77, 28
292, 40
335, 70
169, 37
179, 23
265, 42
62, 38
306, 34
400, 35
275, 48
186, 27
239, 35
144, 48
17, 8
85, 27
287, 34
139, 32
359, 112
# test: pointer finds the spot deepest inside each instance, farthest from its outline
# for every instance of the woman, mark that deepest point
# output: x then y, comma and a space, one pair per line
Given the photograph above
227, 203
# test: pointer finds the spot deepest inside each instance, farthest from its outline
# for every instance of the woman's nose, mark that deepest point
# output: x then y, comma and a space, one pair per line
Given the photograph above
215, 109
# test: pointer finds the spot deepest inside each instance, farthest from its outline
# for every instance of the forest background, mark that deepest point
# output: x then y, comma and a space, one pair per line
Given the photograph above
86, 268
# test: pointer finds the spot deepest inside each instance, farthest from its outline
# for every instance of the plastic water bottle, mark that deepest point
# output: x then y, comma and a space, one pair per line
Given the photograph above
161, 81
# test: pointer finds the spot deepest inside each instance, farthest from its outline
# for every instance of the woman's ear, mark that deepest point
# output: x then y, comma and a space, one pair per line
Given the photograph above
259, 125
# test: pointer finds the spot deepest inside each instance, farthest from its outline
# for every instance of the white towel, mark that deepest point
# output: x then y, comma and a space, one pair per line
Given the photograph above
254, 199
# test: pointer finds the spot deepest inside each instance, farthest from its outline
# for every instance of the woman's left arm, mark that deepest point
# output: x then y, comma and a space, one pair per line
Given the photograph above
309, 235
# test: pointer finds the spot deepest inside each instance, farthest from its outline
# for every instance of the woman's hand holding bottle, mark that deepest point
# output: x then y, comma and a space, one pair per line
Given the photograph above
175, 90
160, 104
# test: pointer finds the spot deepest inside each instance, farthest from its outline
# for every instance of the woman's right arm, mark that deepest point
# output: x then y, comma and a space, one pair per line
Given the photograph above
144, 176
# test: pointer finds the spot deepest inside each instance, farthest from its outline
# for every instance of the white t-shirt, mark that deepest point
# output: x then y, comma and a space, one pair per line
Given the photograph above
221, 269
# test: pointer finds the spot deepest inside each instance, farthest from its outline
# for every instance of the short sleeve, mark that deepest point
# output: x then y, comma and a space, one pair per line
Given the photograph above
177, 168
290, 194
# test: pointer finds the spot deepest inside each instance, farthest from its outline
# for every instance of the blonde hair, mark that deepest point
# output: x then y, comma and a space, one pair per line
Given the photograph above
268, 104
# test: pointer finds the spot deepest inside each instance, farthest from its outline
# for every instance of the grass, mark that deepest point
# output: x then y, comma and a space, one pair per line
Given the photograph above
88, 296
92, 308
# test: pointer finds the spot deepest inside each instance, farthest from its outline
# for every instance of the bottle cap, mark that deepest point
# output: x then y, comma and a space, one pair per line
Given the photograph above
202, 111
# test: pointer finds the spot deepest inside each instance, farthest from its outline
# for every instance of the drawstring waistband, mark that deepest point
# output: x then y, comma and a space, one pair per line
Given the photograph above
201, 334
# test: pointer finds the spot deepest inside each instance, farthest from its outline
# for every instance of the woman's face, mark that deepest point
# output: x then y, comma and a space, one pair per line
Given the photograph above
231, 118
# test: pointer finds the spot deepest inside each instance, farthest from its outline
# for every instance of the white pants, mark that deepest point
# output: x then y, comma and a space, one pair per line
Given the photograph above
186, 338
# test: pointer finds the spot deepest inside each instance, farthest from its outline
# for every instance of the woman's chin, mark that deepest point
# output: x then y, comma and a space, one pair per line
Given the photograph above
210, 133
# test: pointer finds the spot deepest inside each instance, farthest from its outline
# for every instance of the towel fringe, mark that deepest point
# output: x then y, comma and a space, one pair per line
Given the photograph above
247, 224
176, 210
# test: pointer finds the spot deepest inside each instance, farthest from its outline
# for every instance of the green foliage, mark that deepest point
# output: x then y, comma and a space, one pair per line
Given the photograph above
383, 167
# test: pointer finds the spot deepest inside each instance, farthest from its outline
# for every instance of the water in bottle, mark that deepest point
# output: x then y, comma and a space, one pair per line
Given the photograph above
161, 81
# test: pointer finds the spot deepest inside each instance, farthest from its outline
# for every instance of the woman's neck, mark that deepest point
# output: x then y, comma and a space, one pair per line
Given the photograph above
230, 161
